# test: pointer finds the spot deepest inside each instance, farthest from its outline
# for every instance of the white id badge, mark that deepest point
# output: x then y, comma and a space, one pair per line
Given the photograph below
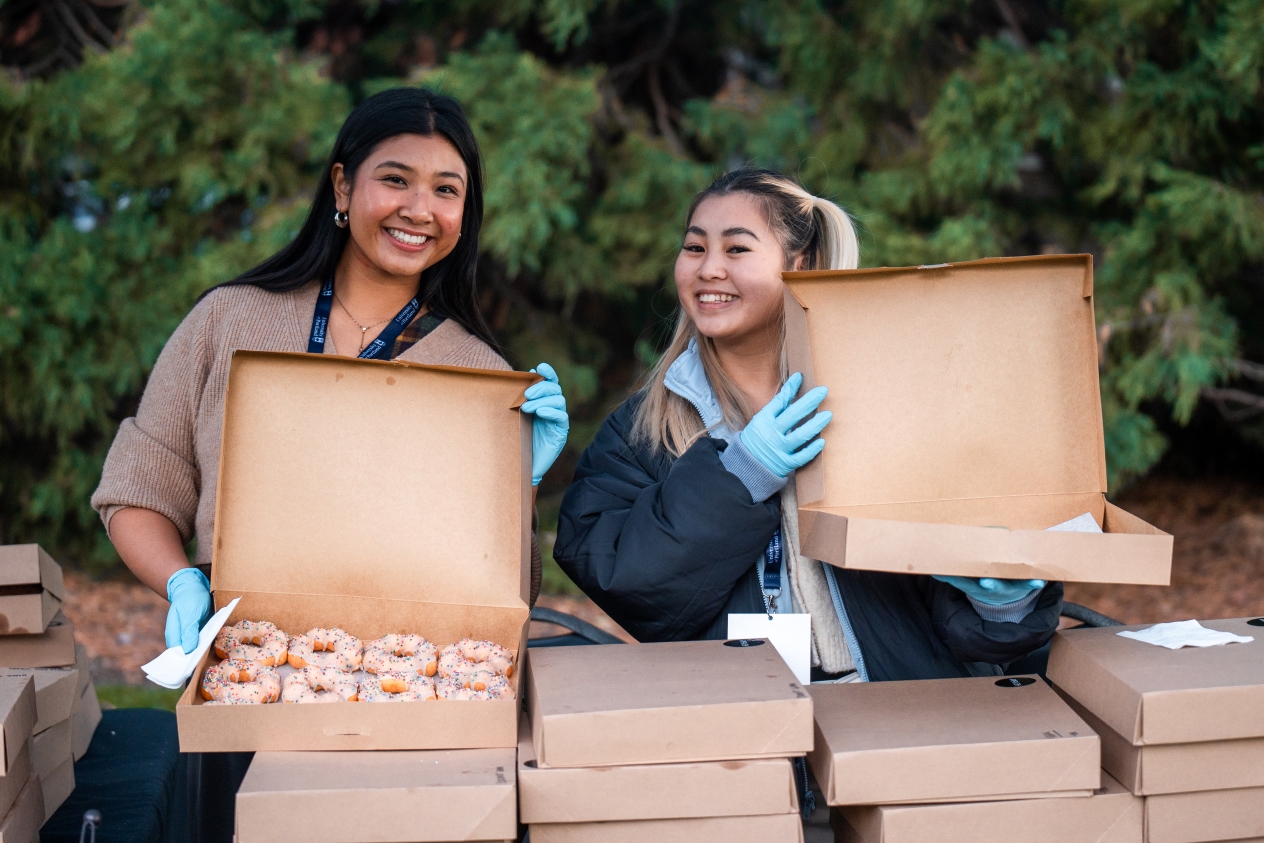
790, 634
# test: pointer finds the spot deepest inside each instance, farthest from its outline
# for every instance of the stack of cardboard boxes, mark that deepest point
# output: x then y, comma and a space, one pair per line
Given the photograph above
1183, 728
49, 706
687, 742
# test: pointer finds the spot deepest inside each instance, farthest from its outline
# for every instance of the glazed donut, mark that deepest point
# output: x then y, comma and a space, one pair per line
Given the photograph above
488, 653
397, 687
447, 689
254, 641
456, 667
401, 654
240, 682
318, 685
326, 648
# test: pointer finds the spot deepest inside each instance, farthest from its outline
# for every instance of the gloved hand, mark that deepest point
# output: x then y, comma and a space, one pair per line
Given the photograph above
551, 424
992, 591
772, 438
190, 596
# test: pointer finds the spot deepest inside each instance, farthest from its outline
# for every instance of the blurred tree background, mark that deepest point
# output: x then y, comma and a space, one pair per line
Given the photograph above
151, 149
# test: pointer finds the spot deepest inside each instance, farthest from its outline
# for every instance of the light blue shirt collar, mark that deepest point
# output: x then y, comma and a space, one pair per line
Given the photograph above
686, 377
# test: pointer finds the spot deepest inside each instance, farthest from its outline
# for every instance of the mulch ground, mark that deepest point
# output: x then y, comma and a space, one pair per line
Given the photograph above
1217, 572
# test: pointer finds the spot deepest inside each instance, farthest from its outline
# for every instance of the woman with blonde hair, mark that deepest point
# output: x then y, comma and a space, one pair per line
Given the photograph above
681, 512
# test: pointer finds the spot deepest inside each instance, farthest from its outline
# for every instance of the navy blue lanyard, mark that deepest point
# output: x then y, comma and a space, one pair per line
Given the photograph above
380, 348
772, 564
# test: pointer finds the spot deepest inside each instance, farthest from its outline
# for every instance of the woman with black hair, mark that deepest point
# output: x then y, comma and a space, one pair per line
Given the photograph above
383, 268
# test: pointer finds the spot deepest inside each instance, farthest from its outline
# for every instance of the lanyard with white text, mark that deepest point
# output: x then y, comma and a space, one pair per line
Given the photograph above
380, 348
772, 572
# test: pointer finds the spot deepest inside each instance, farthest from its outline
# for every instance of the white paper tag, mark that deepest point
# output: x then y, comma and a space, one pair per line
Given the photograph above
791, 634
173, 666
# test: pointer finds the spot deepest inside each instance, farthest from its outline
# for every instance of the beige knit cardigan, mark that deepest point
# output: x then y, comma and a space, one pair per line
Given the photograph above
166, 458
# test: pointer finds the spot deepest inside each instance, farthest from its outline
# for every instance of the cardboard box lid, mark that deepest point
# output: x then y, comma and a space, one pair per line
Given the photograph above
30, 564
372, 479
56, 690
22, 823
85, 719
55, 647
1110, 815
949, 740
1208, 816
768, 828
15, 779
366, 797
17, 716
989, 366
1153, 695
51, 748
57, 786
659, 703
650, 791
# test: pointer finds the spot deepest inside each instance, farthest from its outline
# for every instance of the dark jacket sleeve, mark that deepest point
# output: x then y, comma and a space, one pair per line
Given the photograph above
973, 639
659, 544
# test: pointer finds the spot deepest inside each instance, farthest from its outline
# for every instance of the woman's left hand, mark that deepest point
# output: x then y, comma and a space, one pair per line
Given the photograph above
994, 592
551, 424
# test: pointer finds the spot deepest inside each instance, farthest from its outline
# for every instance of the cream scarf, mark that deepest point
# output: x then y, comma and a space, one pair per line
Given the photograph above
811, 593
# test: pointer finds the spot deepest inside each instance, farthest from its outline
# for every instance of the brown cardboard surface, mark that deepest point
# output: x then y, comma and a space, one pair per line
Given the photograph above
12, 783
17, 716
678, 701
51, 748
416, 522
55, 647
1207, 816
22, 823
57, 786
1110, 815
378, 797
948, 740
1177, 767
965, 398
1153, 695
769, 828
81, 664
85, 719
55, 689
22, 614
650, 791
30, 564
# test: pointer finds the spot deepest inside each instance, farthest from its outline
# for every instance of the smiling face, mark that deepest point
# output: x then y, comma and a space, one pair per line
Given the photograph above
728, 272
405, 206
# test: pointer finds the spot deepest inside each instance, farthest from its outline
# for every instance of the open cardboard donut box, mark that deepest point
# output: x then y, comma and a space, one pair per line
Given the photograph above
377, 497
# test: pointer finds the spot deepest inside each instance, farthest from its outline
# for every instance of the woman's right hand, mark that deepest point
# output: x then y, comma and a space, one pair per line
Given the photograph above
190, 596
775, 437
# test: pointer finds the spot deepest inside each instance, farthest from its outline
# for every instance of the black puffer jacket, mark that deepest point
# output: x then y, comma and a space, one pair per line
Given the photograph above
667, 547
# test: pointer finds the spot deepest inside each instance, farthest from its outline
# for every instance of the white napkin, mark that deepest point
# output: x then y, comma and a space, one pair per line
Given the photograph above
174, 666
1180, 634
1079, 524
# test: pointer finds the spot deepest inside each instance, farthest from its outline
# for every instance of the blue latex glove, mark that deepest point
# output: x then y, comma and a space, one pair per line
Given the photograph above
190, 596
992, 591
772, 438
551, 424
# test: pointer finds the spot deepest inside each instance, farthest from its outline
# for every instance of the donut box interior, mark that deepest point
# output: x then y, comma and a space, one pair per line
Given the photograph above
379, 498
965, 399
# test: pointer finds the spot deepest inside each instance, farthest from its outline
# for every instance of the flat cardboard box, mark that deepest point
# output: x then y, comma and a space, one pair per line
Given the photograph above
950, 740
31, 589
965, 398
650, 791
1111, 815
11, 784
51, 748
380, 498
767, 828
1207, 816
1152, 695
55, 692
57, 786
376, 797
85, 719
680, 701
1177, 767
22, 823
82, 665
55, 647
17, 717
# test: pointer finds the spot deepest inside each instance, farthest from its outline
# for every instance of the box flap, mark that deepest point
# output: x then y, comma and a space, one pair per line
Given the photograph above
364, 478
22, 823
55, 692
17, 716
1236, 815
1153, 695
30, 564
960, 383
55, 647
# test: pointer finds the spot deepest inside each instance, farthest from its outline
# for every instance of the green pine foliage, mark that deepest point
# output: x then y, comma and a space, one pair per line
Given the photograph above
1133, 130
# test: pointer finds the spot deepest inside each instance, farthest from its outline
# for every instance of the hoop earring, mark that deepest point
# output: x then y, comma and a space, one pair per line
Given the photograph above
341, 219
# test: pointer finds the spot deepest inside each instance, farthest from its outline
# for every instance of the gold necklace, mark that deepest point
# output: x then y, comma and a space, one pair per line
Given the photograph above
363, 328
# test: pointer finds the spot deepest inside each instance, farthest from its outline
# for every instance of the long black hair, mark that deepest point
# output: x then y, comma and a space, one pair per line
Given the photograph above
448, 287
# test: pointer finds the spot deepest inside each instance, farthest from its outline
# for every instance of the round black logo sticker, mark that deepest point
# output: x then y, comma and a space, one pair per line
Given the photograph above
1015, 682
744, 642
1256, 622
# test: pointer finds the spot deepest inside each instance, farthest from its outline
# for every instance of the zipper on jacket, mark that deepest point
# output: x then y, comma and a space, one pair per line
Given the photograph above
849, 634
